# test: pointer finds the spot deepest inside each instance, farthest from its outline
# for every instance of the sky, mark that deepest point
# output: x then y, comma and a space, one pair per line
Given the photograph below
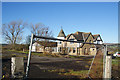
95, 17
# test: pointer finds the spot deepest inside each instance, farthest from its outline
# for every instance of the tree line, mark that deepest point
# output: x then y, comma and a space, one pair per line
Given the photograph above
13, 32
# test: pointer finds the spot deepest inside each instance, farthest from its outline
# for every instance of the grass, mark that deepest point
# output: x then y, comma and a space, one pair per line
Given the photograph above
15, 53
70, 72
115, 61
57, 70
87, 66
80, 74
117, 58
38, 54
77, 61
97, 67
77, 72
71, 56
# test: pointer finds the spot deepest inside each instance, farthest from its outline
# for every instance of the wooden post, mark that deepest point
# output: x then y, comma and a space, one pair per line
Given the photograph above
108, 67
107, 63
17, 67
104, 60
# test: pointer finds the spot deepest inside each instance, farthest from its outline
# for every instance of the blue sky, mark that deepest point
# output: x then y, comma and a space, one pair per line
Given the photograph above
96, 17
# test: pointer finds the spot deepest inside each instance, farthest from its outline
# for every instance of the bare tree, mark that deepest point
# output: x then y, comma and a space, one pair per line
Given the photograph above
40, 29
12, 31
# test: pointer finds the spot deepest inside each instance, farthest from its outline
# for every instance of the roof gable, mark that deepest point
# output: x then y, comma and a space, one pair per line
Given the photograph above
96, 37
86, 35
83, 36
69, 37
79, 36
61, 33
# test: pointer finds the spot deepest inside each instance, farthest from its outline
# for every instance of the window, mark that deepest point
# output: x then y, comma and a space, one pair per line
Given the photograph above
71, 40
53, 49
74, 50
69, 49
98, 42
59, 49
60, 42
90, 41
85, 51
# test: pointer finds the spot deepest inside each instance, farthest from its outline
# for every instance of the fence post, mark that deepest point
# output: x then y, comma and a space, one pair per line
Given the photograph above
108, 67
107, 63
17, 67
104, 61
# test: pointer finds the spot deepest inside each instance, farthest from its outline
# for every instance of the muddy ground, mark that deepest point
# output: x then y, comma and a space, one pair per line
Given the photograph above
47, 63
43, 67
40, 66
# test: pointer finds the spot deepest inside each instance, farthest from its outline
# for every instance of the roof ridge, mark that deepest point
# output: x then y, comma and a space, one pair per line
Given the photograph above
96, 34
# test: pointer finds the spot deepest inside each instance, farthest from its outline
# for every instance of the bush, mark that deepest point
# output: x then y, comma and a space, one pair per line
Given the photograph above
55, 55
18, 47
46, 53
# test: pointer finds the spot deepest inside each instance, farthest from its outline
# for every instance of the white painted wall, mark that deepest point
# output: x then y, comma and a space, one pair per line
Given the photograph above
60, 38
98, 38
33, 48
59, 42
79, 44
98, 42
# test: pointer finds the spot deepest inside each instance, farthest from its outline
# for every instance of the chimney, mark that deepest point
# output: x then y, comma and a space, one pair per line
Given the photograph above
77, 33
